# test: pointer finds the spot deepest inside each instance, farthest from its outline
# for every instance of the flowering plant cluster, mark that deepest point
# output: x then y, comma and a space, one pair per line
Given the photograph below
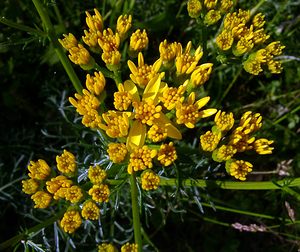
145, 110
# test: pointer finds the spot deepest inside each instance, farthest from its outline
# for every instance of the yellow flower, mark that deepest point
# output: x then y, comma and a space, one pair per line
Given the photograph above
252, 66
111, 58
262, 146
210, 140
123, 24
55, 184
258, 20
96, 175
223, 121
201, 74
275, 48
172, 95
68, 41
168, 51
224, 40
149, 180
238, 168
150, 99
141, 159
41, 199
100, 193
224, 153
189, 113
30, 186
226, 5
241, 141
157, 134
122, 98
81, 56
71, 221
274, 66
106, 247
194, 8
210, 4
117, 152
167, 154
138, 41
212, 17
243, 15
39, 170
66, 163
95, 22
129, 247
250, 122
90, 210
108, 41
117, 123
244, 45
185, 62
95, 84
90, 38
143, 73
73, 194
259, 36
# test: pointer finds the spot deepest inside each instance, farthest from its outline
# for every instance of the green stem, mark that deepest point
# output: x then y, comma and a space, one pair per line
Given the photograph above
287, 114
57, 47
135, 212
256, 7
14, 240
234, 185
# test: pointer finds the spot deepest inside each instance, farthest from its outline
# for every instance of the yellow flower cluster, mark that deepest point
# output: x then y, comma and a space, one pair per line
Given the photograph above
129, 247
107, 247
239, 140
149, 180
46, 187
210, 10
246, 36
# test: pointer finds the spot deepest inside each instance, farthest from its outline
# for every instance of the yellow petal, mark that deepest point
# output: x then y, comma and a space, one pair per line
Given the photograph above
191, 98
156, 65
136, 136
130, 87
132, 67
140, 59
202, 102
165, 122
207, 112
152, 89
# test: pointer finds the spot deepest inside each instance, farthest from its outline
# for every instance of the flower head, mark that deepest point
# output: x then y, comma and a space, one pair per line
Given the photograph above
71, 221
224, 121
238, 168
188, 113
156, 133
186, 62
168, 51
210, 4
73, 194
68, 41
41, 199
224, 40
143, 73
66, 163
109, 41
258, 20
100, 193
212, 17
90, 210
141, 159
138, 40
39, 170
96, 174
194, 8
150, 180
95, 22
224, 153
167, 154
106, 247
95, 84
117, 152
210, 140
122, 98
55, 184
129, 247
123, 24
81, 56
30, 186
201, 74
262, 146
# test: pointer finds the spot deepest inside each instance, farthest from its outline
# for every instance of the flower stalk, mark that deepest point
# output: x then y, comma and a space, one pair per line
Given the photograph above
49, 29
135, 212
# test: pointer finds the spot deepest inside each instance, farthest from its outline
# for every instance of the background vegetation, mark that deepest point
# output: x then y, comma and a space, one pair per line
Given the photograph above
37, 121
